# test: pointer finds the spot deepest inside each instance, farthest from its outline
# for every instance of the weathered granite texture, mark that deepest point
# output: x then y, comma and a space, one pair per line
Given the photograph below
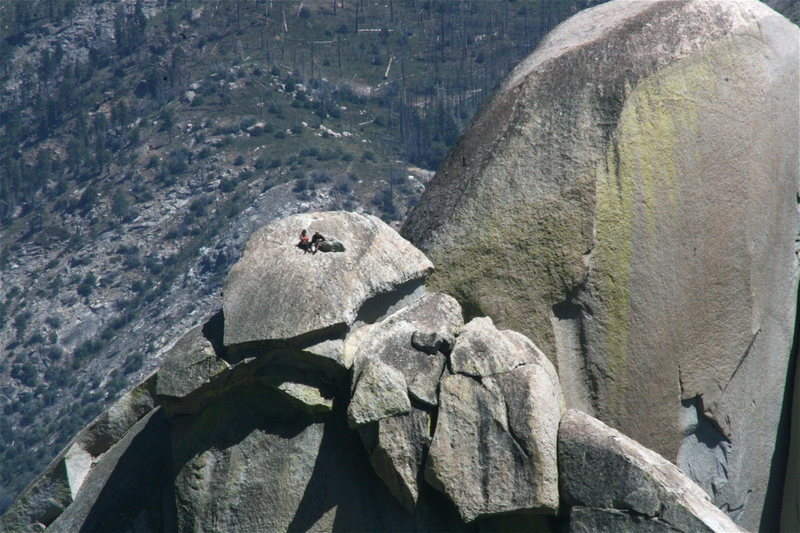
494, 448
415, 341
627, 199
432, 425
315, 293
395, 416
612, 482
190, 365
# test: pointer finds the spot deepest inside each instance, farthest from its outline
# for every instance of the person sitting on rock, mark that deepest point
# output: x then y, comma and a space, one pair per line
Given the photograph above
304, 243
315, 240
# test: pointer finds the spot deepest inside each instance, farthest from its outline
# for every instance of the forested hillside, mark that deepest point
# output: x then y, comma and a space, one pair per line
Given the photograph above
141, 141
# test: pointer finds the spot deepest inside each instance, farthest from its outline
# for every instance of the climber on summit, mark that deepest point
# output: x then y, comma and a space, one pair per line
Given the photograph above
315, 240
304, 243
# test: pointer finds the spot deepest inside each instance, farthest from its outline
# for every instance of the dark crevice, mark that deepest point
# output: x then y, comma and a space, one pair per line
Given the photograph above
742, 359
773, 500
382, 304
237, 352
213, 330
573, 309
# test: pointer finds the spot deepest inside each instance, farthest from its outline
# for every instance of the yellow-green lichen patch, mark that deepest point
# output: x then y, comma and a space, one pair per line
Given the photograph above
639, 198
612, 257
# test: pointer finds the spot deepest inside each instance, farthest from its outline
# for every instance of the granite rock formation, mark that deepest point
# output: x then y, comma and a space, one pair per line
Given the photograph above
494, 449
627, 199
434, 425
613, 483
316, 293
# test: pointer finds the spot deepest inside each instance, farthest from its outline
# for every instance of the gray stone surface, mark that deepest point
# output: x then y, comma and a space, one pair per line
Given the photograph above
397, 447
494, 447
303, 390
482, 350
381, 392
328, 351
352, 343
189, 365
390, 341
278, 292
267, 469
125, 483
590, 520
607, 203
705, 453
474, 459
599, 467
534, 404
430, 343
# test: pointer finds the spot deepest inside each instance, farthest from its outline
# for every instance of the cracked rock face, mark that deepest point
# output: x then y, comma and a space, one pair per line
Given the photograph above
613, 483
397, 446
190, 364
608, 204
481, 351
380, 393
314, 293
494, 448
434, 321
409, 347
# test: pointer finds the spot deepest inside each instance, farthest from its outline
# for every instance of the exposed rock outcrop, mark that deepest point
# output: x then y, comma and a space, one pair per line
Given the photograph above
412, 345
316, 293
436, 425
103, 459
414, 341
613, 483
494, 448
381, 393
397, 449
252, 462
189, 366
627, 199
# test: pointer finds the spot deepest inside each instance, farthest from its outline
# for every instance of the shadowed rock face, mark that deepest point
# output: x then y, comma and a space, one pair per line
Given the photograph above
790, 512
627, 199
252, 463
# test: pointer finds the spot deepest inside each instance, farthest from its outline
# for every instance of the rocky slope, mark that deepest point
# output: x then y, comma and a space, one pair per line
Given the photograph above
628, 199
381, 411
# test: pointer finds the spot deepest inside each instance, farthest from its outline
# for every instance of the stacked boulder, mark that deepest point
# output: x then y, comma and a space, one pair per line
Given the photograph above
334, 393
